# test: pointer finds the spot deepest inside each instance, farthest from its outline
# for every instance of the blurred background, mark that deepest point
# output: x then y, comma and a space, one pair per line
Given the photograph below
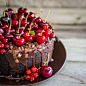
68, 18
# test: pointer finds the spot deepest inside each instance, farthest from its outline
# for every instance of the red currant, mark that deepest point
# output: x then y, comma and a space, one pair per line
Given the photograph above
1, 45
2, 51
32, 78
27, 77
35, 75
28, 72
34, 69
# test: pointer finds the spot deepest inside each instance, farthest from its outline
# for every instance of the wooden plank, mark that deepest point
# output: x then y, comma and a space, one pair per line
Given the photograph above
73, 74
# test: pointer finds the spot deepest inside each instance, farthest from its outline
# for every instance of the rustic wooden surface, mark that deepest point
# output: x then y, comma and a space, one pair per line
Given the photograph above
74, 39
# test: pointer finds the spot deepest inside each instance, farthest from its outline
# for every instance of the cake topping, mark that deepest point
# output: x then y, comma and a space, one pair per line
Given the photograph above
16, 60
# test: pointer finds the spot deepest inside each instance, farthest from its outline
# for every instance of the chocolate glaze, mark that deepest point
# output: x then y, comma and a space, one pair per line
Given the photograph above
27, 53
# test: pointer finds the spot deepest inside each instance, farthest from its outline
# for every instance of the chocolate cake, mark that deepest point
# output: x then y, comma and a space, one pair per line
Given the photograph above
18, 51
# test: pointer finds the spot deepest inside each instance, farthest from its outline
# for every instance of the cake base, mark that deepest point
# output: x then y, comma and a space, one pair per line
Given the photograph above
59, 56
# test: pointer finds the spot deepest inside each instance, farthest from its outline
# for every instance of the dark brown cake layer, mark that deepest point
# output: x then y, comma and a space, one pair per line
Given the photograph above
18, 60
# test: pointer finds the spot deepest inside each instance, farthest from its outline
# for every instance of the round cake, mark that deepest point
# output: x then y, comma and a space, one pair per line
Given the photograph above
25, 41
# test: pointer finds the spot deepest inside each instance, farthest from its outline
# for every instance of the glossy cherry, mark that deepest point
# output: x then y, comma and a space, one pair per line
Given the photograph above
18, 41
6, 46
28, 38
47, 32
1, 31
52, 35
39, 30
9, 37
5, 19
24, 22
14, 22
9, 12
41, 39
21, 10
31, 15
46, 71
5, 40
1, 37
35, 26
4, 25
1, 45
12, 30
2, 51
38, 20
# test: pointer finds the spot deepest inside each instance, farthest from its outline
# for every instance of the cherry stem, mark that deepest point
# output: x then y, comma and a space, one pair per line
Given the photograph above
24, 4
47, 59
21, 32
6, 5
1, 23
41, 33
10, 27
29, 30
4, 14
47, 15
19, 25
27, 16
15, 10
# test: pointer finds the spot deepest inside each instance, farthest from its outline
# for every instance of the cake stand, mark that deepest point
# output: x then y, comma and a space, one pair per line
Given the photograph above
59, 56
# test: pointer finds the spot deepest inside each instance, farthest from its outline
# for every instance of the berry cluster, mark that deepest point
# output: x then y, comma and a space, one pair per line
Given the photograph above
32, 74
22, 27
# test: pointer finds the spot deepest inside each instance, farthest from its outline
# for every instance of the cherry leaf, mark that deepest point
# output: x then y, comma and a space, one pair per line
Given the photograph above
32, 32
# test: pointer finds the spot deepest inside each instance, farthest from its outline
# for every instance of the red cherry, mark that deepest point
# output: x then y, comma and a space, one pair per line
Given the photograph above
38, 20
27, 77
9, 11
32, 15
45, 26
21, 27
52, 35
23, 22
6, 46
28, 72
5, 40
39, 30
18, 41
46, 71
32, 78
14, 22
34, 69
21, 10
47, 32
20, 16
1, 37
28, 38
1, 31
14, 16
35, 27
4, 26
35, 75
41, 39
2, 51
1, 45
12, 30
47, 37
9, 37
